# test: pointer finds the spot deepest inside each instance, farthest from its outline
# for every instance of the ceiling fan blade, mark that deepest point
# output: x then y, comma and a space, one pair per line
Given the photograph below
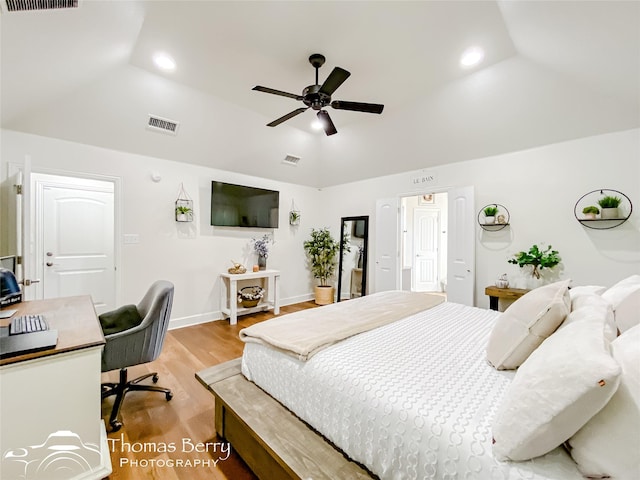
357, 106
334, 80
327, 124
276, 92
286, 117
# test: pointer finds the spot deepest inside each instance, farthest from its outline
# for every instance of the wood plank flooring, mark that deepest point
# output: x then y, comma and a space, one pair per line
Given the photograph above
176, 440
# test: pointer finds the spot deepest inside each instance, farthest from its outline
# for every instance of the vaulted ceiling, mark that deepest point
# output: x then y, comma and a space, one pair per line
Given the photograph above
552, 71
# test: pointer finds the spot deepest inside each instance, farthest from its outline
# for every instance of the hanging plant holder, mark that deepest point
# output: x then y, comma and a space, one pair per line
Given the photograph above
184, 206
294, 217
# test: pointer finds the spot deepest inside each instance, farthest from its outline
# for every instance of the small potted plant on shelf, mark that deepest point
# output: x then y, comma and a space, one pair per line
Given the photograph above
490, 214
183, 213
609, 205
322, 251
250, 296
536, 258
294, 217
590, 212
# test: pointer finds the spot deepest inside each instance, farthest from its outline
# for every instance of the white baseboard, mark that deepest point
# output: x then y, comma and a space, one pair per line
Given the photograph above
200, 318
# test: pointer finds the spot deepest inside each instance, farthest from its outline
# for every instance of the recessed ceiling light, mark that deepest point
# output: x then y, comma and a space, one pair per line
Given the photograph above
164, 62
472, 56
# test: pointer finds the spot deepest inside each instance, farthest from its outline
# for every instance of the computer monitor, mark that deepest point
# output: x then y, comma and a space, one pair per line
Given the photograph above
9, 262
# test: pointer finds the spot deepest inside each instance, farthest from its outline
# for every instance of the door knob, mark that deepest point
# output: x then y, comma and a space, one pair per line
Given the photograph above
49, 264
49, 254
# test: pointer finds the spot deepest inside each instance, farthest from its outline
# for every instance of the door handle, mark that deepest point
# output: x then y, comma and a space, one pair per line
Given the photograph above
49, 254
49, 264
28, 282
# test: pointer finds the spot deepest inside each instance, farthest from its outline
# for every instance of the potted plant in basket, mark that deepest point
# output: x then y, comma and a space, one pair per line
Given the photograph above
322, 251
536, 258
590, 212
609, 205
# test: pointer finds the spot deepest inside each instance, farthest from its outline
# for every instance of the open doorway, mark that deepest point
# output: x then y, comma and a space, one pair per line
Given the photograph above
424, 220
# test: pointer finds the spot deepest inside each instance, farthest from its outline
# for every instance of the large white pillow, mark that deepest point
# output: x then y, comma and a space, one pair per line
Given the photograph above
592, 307
624, 296
523, 326
586, 290
564, 383
609, 444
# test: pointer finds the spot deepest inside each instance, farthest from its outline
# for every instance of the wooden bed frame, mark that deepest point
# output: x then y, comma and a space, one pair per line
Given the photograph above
270, 439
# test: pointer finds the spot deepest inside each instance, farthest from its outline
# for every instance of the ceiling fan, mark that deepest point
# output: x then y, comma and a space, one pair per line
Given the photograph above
318, 97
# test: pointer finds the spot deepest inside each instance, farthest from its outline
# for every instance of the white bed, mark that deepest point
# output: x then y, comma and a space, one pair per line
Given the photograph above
410, 400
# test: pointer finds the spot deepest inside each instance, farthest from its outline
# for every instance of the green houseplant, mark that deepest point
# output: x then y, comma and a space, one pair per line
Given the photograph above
322, 251
590, 212
183, 213
537, 258
609, 205
490, 213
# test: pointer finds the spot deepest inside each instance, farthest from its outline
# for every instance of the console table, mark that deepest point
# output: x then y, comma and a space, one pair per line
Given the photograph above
495, 294
229, 293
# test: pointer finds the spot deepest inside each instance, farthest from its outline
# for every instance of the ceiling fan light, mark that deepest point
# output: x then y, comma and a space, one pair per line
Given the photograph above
317, 125
164, 62
472, 56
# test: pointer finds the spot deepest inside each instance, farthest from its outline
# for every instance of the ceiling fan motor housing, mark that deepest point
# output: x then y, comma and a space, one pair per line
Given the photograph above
314, 98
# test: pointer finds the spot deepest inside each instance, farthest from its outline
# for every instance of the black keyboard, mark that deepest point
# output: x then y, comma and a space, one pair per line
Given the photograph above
28, 324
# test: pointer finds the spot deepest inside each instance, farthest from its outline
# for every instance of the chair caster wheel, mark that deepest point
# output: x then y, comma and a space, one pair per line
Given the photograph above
115, 426
168, 396
155, 378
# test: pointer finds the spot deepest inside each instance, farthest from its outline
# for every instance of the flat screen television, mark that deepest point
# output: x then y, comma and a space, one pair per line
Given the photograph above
242, 206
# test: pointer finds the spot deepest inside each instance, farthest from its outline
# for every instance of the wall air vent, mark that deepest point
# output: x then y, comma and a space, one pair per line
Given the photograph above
159, 124
291, 160
32, 5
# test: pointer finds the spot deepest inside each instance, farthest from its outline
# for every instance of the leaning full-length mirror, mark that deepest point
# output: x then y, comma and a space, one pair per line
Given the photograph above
352, 275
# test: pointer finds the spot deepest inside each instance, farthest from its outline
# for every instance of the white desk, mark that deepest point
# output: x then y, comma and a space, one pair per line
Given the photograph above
229, 293
53, 396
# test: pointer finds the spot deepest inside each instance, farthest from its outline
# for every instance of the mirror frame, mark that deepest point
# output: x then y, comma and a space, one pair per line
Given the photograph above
343, 220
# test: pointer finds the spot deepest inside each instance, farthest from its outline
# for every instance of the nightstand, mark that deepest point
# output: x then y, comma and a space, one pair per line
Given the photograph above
495, 294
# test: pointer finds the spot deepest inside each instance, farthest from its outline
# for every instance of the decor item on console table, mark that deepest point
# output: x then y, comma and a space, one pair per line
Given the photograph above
250, 296
536, 258
261, 246
237, 268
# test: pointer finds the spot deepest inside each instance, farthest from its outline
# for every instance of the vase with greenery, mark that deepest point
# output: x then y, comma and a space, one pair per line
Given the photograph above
590, 212
490, 213
183, 213
322, 251
609, 205
536, 258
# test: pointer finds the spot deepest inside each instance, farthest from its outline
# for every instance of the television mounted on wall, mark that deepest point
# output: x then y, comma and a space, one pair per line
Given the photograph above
243, 206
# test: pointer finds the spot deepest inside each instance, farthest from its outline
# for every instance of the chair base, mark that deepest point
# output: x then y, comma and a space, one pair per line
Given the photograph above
125, 386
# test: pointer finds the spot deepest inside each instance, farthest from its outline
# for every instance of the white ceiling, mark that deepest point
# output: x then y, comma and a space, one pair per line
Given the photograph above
553, 71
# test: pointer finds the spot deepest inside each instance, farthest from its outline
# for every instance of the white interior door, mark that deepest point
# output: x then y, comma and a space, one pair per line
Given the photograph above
426, 228
387, 268
461, 246
75, 237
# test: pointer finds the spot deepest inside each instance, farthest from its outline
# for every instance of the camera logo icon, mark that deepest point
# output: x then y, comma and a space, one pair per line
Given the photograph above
63, 455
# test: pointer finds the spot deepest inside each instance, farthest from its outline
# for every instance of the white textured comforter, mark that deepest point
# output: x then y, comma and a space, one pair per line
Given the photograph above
410, 400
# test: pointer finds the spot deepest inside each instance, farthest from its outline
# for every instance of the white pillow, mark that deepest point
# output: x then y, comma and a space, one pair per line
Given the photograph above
607, 446
593, 308
624, 296
564, 383
585, 290
522, 327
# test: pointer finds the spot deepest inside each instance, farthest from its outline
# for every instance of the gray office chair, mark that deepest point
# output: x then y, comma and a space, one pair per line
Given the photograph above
138, 344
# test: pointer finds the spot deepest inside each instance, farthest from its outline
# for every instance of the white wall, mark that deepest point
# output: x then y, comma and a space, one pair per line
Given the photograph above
191, 255
539, 187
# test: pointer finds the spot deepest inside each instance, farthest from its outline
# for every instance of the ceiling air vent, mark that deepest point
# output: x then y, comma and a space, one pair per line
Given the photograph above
159, 124
31, 5
291, 160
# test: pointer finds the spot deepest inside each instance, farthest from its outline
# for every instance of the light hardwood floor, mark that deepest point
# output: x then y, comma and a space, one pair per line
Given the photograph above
160, 439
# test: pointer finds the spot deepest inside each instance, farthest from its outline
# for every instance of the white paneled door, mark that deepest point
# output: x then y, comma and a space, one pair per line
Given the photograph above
426, 225
76, 239
461, 246
387, 273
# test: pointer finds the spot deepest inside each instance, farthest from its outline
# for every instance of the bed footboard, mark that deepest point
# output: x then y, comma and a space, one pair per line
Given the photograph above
271, 440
